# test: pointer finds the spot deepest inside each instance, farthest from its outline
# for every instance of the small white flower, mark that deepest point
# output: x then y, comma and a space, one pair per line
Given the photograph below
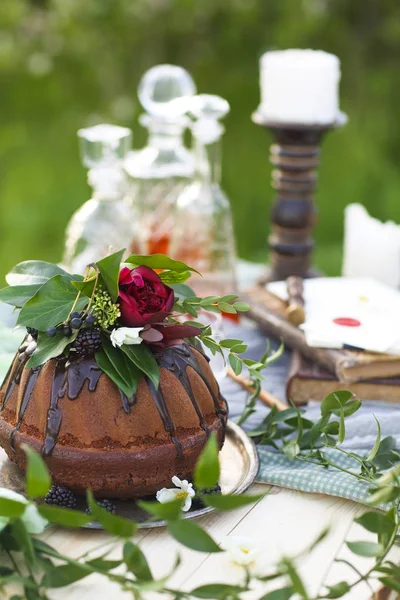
126, 335
31, 518
184, 491
241, 549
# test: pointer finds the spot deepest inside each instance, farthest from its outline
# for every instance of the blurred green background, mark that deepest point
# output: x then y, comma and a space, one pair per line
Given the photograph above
65, 64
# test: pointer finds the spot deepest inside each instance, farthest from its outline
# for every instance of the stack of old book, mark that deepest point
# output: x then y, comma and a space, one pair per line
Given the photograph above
317, 370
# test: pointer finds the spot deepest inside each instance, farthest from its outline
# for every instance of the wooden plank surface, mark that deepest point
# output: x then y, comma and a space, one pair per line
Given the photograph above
284, 522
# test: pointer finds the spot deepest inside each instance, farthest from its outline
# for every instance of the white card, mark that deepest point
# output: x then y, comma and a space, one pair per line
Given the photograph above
349, 311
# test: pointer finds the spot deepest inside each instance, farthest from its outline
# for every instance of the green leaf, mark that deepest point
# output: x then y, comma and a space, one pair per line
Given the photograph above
66, 517
44, 548
236, 364
103, 565
34, 272
368, 549
383, 495
24, 541
230, 343
86, 287
111, 523
281, 594
342, 427
351, 407
226, 308
391, 582
64, 575
170, 277
49, 347
123, 366
218, 591
209, 300
18, 295
109, 268
375, 449
182, 291
297, 583
51, 304
338, 590
230, 501
239, 349
335, 400
189, 534
38, 480
107, 367
291, 449
136, 562
189, 309
11, 508
242, 306
169, 511
207, 470
384, 458
143, 358
375, 522
159, 261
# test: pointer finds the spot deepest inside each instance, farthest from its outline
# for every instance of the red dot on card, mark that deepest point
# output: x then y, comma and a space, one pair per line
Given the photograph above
347, 322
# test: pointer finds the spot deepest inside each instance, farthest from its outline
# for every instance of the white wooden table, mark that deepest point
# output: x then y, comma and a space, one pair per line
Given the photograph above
284, 522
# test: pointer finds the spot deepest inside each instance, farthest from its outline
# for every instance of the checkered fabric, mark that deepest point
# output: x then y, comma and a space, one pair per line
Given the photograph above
276, 469
294, 474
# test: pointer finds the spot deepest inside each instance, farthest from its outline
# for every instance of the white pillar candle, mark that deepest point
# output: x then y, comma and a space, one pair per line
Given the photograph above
371, 248
299, 87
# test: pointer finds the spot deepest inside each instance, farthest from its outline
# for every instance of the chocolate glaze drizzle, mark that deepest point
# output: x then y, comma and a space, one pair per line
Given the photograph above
68, 379
70, 376
30, 384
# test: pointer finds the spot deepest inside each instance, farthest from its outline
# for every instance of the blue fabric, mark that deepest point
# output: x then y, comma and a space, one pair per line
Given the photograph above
276, 469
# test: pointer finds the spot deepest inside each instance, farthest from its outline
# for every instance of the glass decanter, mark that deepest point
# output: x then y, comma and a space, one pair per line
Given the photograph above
159, 172
102, 224
203, 228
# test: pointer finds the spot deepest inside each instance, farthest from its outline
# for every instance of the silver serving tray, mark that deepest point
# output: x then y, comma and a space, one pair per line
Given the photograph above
239, 467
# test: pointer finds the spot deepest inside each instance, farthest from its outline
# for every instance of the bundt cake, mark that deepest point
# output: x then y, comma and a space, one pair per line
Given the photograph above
111, 384
93, 437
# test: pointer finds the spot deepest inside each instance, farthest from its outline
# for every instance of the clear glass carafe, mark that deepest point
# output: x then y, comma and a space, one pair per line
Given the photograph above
102, 224
203, 235
158, 173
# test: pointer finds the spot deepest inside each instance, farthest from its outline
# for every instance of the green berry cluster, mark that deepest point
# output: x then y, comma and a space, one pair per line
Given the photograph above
106, 311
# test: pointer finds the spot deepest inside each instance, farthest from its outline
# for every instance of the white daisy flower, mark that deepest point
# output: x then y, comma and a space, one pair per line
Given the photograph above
183, 490
241, 549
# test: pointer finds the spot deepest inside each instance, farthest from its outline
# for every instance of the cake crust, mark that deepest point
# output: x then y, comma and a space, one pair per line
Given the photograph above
93, 437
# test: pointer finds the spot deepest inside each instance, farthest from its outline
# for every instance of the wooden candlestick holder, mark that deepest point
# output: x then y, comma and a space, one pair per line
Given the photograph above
295, 157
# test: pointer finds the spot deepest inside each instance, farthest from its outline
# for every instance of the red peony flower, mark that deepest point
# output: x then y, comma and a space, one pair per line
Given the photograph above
143, 298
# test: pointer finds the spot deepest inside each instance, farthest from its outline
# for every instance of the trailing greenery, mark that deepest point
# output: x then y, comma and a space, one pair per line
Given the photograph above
34, 567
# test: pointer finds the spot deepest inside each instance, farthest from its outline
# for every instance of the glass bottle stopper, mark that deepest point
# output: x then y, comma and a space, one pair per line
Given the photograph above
104, 145
208, 109
164, 91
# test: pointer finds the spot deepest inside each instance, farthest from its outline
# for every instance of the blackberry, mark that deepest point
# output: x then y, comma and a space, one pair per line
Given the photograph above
87, 342
33, 332
106, 504
214, 490
197, 502
61, 496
